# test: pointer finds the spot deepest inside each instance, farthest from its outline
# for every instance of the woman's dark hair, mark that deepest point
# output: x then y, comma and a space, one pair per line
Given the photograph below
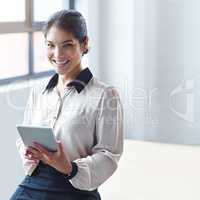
70, 21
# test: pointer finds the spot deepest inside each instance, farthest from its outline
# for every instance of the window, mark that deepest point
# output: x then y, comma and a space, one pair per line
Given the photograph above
41, 13
22, 44
8, 7
13, 61
39, 59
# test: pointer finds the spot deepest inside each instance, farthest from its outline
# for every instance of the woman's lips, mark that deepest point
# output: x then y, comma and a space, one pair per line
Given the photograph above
61, 63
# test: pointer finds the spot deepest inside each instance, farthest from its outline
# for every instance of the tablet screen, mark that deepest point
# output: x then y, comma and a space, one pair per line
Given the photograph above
42, 135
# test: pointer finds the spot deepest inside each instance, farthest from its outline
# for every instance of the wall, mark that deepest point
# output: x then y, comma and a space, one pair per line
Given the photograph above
150, 51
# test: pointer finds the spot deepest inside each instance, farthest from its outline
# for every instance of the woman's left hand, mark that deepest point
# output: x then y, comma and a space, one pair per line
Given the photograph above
59, 160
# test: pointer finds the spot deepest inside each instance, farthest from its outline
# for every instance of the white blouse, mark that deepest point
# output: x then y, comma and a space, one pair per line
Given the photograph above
88, 122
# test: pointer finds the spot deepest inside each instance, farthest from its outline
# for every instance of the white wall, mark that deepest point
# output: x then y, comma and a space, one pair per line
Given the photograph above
167, 61
149, 49
112, 47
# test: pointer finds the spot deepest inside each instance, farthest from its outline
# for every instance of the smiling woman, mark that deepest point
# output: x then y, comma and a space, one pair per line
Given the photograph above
66, 41
64, 52
86, 117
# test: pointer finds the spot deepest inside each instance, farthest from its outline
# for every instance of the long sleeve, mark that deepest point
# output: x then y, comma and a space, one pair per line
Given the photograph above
27, 165
96, 168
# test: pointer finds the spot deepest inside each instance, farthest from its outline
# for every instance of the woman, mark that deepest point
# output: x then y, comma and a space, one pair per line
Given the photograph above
85, 114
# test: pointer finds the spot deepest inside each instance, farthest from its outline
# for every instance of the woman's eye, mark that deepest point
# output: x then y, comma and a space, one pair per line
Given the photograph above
50, 45
67, 45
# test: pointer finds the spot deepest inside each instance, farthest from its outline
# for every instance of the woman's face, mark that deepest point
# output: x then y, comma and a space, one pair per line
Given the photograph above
64, 51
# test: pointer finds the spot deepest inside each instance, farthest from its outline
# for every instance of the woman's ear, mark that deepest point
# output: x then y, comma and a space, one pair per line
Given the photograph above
84, 45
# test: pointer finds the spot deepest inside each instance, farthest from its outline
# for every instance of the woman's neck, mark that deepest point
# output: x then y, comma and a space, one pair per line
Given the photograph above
64, 79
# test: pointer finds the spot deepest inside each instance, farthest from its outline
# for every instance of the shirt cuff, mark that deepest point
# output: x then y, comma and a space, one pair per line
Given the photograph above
73, 172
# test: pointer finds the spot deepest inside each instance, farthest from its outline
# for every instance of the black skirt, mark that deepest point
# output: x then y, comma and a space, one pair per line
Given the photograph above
46, 183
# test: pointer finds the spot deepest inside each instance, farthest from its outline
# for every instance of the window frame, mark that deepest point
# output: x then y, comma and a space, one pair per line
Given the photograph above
28, 26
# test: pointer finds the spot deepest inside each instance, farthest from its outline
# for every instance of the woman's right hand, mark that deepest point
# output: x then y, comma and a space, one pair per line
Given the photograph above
24, 154
27, 155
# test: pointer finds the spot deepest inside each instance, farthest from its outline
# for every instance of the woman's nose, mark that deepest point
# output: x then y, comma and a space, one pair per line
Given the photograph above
58, 52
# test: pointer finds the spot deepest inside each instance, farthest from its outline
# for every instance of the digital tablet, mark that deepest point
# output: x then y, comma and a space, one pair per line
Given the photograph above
42, 135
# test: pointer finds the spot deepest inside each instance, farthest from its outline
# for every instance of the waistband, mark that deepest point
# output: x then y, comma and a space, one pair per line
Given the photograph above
47, 178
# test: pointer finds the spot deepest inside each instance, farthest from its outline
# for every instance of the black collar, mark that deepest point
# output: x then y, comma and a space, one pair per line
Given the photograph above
81, 80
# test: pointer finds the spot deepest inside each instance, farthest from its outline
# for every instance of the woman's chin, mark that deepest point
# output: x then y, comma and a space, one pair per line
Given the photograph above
62, 70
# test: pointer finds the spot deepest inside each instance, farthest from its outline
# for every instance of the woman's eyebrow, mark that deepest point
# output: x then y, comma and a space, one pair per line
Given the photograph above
47, 41
66, 41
